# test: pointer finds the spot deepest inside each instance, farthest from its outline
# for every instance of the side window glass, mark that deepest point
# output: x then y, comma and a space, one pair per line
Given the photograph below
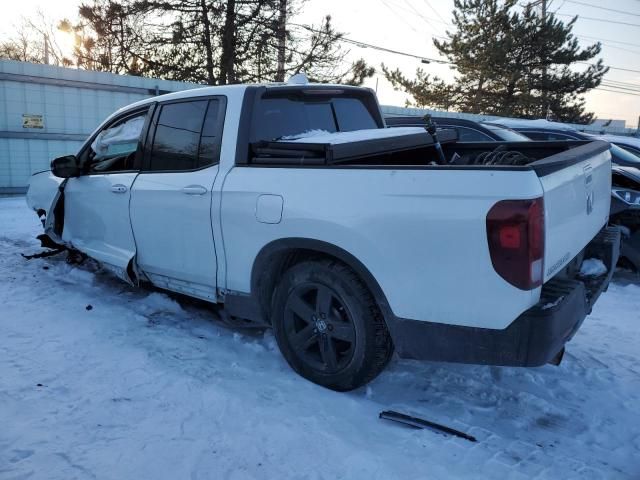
177, 136
115, 147
548, 136
209, 151
470, 135
560, 136
538, 136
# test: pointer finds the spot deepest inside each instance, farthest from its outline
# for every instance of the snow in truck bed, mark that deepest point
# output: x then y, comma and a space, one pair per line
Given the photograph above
141, 386
335, 138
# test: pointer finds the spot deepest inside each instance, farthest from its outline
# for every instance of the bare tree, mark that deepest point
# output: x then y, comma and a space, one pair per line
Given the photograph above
35, 41
215, 42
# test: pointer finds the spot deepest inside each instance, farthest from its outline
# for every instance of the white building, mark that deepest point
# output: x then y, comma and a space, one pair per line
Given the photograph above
48, 111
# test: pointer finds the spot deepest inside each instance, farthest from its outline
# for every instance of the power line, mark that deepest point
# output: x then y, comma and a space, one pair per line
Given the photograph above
637, 52
612, 68
615, 91
415, 10
397, 15
626, 89
603, 40
361, 44
598, 19
608, 45
603, 8
396, 52
422, 58
622, 84
561, 5
436, 12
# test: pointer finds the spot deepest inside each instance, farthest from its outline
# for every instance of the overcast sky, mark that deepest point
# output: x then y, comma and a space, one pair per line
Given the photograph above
409, 25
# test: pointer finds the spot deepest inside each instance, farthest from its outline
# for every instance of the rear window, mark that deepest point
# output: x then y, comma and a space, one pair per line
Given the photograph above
470, 134
278, 118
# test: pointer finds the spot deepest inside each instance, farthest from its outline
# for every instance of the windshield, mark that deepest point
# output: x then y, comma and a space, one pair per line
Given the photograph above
623, 157
506, 134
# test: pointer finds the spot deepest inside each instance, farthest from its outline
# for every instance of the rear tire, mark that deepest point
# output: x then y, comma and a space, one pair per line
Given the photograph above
328, 326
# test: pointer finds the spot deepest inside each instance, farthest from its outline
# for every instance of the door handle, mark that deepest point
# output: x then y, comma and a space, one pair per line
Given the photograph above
194, 190
118, 188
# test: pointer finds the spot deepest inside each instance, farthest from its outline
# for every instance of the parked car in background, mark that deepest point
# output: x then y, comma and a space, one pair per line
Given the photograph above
625, 180
468, 130
630, 144
543, 130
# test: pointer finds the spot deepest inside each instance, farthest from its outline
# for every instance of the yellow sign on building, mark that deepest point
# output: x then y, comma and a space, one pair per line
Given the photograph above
32, 121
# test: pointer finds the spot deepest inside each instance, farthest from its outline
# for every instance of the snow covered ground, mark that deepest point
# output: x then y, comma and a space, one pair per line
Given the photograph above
142, 387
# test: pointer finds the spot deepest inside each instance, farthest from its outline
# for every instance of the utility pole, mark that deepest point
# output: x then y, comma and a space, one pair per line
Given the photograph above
543, 16
544, 71
46, 49
281, 35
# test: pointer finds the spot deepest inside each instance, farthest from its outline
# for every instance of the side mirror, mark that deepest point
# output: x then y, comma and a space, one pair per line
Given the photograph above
65, 167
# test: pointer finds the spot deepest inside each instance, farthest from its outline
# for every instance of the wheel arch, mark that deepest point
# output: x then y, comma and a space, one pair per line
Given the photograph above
277, 256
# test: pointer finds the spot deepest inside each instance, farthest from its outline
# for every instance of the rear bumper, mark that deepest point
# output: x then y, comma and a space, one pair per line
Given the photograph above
533, 339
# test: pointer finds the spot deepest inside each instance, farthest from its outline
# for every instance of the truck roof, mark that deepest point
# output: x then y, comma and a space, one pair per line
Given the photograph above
239, 89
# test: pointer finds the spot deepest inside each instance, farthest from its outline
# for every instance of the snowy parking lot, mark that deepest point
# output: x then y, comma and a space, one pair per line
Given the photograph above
100, 380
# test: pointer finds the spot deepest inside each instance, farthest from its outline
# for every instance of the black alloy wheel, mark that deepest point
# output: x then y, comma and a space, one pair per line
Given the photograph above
319, 327
328, 325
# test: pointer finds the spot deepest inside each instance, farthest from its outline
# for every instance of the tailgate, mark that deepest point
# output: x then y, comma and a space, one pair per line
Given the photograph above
577, 197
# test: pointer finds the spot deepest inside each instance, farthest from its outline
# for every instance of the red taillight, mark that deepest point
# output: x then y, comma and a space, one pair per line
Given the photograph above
515, 230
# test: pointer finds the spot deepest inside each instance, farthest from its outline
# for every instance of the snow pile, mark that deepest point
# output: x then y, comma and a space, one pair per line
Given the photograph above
158, 302
308, 133
592, 267
334, 138
549, 305
140, 386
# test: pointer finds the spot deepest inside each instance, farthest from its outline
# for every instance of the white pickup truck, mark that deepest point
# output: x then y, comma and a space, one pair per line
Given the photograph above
296, 208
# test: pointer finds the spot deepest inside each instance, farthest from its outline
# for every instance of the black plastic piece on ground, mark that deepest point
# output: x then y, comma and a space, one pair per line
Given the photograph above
46, 242
421, 423
49, 253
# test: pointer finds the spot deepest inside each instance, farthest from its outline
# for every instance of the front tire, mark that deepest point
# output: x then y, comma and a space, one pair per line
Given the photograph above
328, 326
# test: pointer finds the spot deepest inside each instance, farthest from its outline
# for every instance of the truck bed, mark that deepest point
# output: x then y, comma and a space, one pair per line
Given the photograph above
412, 147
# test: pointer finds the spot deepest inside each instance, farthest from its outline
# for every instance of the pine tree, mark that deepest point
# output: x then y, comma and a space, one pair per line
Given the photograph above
509, 62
